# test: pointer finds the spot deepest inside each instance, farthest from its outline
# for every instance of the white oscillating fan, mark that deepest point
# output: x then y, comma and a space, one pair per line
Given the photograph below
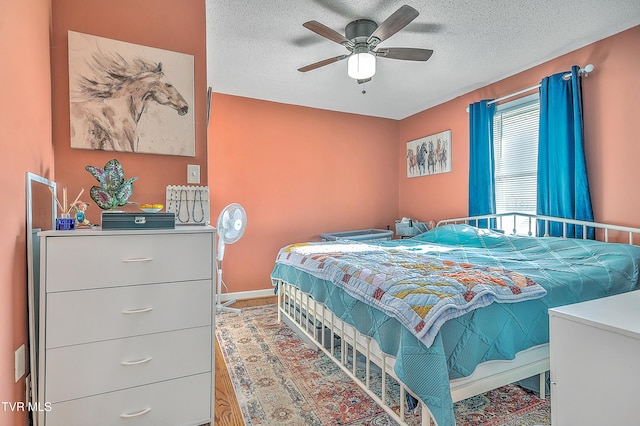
232, 222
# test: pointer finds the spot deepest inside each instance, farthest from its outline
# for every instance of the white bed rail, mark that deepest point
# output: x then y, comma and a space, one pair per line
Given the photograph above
603, 230
322, 327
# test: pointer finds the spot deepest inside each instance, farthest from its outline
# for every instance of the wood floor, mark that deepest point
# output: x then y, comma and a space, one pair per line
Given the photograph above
227, 411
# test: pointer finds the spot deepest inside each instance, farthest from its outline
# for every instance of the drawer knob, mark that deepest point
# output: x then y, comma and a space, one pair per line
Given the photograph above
137, 361
136, 414
137, 311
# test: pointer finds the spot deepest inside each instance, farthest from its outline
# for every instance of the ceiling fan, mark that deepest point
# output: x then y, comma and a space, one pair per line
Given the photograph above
361, 39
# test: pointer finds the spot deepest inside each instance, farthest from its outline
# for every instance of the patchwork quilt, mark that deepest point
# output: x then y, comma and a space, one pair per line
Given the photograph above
420, 290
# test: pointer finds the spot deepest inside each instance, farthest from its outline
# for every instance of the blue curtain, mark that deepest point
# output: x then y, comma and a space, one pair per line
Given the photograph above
563, 188
482, 199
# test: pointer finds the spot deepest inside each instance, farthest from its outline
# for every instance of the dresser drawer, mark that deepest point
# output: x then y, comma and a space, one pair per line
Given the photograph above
85, 370
84, 316
184, 401
92, 261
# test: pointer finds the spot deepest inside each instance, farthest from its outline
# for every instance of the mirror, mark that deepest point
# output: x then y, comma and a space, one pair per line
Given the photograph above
41, 216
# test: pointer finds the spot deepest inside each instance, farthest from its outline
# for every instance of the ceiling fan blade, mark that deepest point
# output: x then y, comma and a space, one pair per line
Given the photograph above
394, 23
322, 63
326, 32
404, 53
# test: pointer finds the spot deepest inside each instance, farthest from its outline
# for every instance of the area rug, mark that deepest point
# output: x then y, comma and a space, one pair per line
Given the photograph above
280, 380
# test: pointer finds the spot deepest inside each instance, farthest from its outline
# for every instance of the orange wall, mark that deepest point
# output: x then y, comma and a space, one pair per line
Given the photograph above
298, 172
163, 24
25, 132
612, 134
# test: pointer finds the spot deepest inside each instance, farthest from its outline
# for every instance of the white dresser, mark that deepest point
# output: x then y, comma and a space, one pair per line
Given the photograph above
595, 361
126, 327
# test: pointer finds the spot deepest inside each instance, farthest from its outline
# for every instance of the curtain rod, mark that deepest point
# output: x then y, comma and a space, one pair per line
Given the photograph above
528, 89
583, 71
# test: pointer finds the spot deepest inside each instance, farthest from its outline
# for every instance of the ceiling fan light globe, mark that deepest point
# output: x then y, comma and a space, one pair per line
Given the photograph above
361, 65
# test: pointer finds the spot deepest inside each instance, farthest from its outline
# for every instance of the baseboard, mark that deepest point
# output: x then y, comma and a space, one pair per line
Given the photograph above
239, 295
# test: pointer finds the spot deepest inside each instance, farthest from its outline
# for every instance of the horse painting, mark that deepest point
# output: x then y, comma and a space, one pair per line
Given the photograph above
117, 101
432, 155
121, 101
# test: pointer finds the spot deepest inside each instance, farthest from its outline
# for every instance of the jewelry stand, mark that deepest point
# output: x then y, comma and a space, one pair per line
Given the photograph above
189, 203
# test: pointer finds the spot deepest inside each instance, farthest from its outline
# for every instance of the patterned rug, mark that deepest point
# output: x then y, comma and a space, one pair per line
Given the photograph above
279, 380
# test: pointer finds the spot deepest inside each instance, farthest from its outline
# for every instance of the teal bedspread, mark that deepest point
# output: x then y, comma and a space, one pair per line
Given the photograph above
568, 270
419, 286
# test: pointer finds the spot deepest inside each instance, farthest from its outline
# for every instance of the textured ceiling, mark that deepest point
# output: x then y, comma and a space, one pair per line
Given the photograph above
254, 48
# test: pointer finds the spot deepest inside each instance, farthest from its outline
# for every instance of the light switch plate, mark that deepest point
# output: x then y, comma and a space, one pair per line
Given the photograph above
193, 173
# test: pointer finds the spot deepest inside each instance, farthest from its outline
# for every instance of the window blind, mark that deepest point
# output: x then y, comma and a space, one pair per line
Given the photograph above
516, 157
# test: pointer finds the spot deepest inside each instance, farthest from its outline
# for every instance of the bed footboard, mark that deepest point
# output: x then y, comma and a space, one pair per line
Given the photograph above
345, 346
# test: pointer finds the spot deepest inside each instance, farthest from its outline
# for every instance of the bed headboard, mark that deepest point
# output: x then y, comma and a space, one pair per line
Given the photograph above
604, 232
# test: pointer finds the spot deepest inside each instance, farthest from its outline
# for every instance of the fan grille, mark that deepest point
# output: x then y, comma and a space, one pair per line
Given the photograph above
231, 224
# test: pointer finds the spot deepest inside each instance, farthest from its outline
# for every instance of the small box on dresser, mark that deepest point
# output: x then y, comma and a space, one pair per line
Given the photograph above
126, 327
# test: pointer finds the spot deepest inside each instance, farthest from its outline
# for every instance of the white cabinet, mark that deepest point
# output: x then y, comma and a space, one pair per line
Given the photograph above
126, 327
595, 361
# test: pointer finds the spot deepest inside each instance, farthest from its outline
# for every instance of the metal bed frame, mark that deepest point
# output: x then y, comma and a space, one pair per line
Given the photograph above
321, 328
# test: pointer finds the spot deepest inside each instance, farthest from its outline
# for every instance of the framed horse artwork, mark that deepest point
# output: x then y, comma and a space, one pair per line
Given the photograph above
429, 155
130, 98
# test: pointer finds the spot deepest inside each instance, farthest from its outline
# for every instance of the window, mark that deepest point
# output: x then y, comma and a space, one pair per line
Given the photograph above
515, 138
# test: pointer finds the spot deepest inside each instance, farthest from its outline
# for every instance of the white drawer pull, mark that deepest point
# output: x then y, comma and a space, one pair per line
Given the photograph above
137, 311
137, 259
138, 361
139, 413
